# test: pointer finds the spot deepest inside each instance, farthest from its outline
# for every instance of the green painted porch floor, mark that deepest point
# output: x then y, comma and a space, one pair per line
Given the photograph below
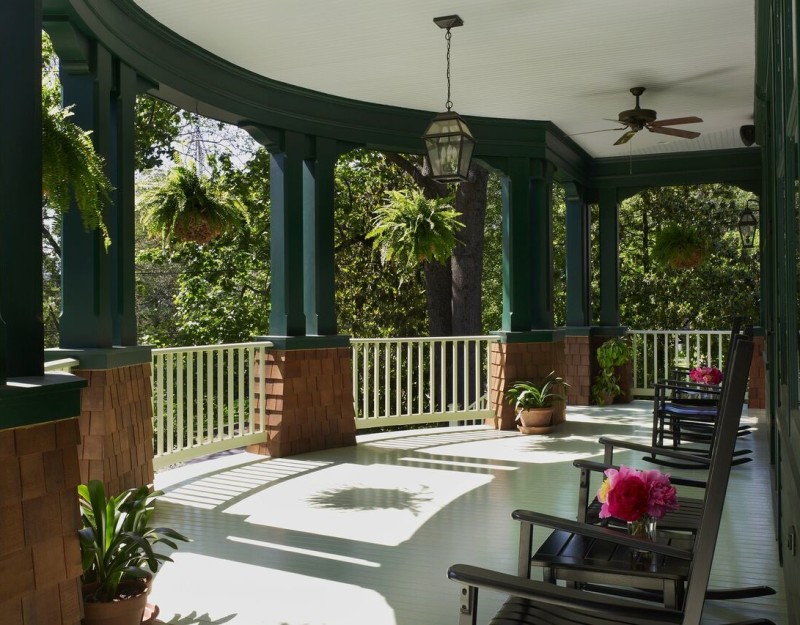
365, 534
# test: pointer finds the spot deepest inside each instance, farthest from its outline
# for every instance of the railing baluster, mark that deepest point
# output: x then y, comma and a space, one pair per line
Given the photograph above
229, 391
158, 372
180, 408
189, 399
170, 404
243, 429
409, 376
398, 382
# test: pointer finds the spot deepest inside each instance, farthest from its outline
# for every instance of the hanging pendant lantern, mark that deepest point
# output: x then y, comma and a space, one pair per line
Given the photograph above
448, 141
748, 224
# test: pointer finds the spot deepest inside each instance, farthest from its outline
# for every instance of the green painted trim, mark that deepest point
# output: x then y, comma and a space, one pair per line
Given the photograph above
533, 336
578, 219
577, 331
197, 80
40, 399
540, 246
21, 184
609, 330
111, 358
609, 257
706, 166
306, 342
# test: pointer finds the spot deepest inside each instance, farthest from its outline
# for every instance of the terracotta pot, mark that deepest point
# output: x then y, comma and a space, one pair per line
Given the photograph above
535, 417
127, 611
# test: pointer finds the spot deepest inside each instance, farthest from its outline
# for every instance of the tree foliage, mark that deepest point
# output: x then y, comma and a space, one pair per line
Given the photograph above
726, 284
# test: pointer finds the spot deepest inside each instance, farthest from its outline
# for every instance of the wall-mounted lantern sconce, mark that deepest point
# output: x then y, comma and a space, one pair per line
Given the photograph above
748, 224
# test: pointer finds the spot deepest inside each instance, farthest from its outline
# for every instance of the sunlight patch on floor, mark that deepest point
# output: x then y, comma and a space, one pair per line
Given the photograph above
219, 488
261, 596
378, 504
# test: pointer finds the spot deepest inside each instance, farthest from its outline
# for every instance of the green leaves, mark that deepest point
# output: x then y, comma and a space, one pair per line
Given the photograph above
117, 540
530, 395
70, 165
411, 228
186, 206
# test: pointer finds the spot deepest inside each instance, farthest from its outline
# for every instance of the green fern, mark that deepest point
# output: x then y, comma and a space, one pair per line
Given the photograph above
185, 206
679, 247
411, 228
72, 167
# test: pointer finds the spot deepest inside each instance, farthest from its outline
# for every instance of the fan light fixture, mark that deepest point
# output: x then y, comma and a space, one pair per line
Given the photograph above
748, 224
448, 141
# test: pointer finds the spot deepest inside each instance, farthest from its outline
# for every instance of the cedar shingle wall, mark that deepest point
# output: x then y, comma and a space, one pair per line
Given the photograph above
117, 427
308, 403
40, 563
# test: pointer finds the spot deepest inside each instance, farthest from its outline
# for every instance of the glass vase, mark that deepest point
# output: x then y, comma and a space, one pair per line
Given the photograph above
644, 527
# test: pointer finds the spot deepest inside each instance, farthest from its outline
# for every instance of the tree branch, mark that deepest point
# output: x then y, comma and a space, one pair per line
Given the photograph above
430, 188
51, 240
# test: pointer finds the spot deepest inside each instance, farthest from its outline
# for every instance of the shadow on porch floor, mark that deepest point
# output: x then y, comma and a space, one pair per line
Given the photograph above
365, 534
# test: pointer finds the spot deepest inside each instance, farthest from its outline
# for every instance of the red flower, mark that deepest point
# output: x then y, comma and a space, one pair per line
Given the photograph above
627, 500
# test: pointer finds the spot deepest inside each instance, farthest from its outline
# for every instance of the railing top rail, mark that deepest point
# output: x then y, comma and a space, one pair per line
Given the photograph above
704, 332
427, 339
62, 363
195, 348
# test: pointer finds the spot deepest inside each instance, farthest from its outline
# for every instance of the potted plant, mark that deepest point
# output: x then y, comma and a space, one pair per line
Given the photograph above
534, 402
680, 247
185, 205
117, 552
611, 354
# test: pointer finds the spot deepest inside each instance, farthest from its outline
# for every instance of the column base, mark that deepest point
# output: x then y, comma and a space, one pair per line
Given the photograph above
309, 401
514, 362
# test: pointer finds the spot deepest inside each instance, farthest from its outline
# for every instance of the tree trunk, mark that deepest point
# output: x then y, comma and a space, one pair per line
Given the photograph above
467, 260
467, 270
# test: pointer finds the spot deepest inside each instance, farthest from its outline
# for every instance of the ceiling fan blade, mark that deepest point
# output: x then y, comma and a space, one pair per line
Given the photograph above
589, 132
675, 122
676, 132
626, 137
617, 121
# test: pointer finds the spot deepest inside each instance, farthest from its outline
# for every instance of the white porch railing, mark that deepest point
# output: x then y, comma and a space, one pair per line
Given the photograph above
202, 400
421, 380
657, 352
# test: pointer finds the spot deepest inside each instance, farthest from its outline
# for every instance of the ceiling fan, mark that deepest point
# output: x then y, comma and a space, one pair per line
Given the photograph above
637, 118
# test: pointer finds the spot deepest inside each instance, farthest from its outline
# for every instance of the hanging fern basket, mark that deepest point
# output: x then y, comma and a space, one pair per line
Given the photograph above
680, 247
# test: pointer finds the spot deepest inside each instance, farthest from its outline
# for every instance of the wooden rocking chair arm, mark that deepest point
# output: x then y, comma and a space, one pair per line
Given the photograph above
659, 451
616, 610
599, 532
599, 467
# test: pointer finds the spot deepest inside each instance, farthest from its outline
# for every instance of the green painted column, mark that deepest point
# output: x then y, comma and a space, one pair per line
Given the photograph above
318, 231
541, 245
287, 317
122, 225
578, 254
21, 328
609, 257
85, 301
516, 223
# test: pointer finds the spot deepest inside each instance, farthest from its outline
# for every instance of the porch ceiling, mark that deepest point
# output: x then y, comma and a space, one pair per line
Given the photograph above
568, 62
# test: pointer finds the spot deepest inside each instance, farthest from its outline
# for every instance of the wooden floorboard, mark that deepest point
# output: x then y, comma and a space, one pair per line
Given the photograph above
365, 534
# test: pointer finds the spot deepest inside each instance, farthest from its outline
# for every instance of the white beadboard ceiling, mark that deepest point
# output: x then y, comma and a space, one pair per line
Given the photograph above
568, 61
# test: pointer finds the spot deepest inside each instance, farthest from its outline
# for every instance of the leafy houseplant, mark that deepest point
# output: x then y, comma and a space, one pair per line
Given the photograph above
612, 353
534, 402
679, 247
117, 547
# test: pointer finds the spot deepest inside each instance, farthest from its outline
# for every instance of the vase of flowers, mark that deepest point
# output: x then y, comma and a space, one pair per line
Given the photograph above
706, 375
639, 498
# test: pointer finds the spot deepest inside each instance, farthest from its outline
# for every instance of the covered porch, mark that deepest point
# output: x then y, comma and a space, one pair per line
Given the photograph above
365, 534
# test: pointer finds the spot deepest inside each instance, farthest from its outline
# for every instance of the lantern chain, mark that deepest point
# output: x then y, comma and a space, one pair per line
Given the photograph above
449, 103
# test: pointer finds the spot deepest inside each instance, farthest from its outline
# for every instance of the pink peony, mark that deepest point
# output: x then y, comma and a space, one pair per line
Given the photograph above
706, 375
629, 494
661, 496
